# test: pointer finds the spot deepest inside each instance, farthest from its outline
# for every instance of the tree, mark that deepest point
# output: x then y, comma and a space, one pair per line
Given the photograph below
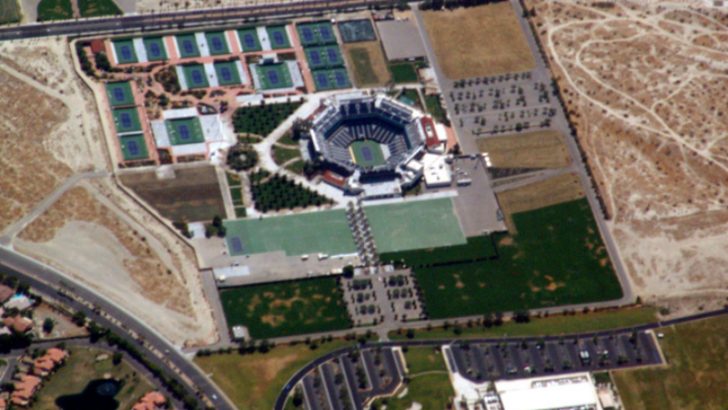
48, 325
116, 358
348, 271
79, 318
102, 62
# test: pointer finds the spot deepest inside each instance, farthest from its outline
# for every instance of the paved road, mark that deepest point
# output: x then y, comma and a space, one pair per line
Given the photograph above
179, 19
296, 378
45, 280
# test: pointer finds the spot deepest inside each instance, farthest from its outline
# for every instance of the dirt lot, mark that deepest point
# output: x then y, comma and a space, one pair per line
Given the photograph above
540, 149
646, 85
368, 63
552, 191
478, 41
192, 195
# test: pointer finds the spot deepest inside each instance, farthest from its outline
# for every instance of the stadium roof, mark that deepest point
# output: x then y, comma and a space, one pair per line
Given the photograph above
549, 393
401, 39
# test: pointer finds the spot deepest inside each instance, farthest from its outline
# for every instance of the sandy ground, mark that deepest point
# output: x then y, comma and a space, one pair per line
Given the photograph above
50, 130
646, 86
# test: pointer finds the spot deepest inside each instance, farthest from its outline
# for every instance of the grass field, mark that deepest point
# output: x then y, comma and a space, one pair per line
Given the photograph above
478, 41
552, 325
81, 367
403, 72
271, 371
475, 248
367, 153
556, 258
54, 10
282, 155
539, 149
286, 308
414, 225
368, 64
193, 195
562, 188
430, 390
307, 233
10, 11
95, 8
424, 359
696, 375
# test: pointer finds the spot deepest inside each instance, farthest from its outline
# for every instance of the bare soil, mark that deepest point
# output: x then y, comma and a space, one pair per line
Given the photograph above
540, 149
371, 72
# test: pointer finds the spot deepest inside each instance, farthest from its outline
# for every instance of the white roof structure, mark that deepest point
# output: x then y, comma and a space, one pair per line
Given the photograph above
437, 171
571, 391
217, 136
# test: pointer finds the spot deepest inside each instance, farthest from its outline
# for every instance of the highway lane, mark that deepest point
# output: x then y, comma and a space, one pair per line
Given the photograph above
179, 19
288, 387
45, 280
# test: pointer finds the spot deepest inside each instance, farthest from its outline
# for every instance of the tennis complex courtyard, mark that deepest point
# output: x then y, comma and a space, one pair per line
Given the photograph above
308, 233
418, 224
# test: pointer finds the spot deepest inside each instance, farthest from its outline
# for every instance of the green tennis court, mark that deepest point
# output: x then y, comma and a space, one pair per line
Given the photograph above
331, 79
324, 57
316, 33
249, 39
183, 131
126, 120
119, 94
195, 75
278, 37
133, 147
367, 153
309, 233
155, 48
414, 225
217, 43
227, 73
187, 45
274, 76
125, 53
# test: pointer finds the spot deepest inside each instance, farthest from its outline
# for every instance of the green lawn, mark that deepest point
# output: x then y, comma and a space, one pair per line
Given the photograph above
237, 195
424, 359
82, 367
404, 72
96, 8
54, 10
286, 308
557, 258
435, 108
10, 11
414, 225
696, 375
262, 119
282, 155
362, 65
254, 381
431, 390
475, 248
553, 325
296, 167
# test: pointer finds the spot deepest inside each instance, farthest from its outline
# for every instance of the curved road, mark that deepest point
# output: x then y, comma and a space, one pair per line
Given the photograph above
298, 376
50, 282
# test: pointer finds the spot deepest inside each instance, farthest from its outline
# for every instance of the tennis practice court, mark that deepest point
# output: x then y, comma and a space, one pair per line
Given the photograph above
366, 153
416, 224
126, 120
155, 48
187, 45
183, 131
324, 57
125, 53
354, 31
249, 39
217, 43
133, 147
331, 79
273, 76
278, 37
195, 76
227, 73
317, 33
119, 94
309, 233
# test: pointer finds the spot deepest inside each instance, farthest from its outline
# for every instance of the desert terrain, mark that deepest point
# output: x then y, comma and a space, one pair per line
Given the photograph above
62, 206
646, 85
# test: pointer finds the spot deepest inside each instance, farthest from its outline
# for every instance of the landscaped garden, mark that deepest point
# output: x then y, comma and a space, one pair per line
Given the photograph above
54, 10
405, 72
10, 11
287, 308
96, 8
262, 119
276, 192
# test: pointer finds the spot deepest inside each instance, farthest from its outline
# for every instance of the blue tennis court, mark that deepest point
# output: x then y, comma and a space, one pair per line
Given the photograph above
315, 58
125, 120
197, 77
278, 39
126, 53
216, 44
188, 47
154, 50
184, 132
133, 148
273, 77
236, 245
225, 74
325, 33
119, 95
322, 80
307, 34
366, 152
333, 56
249, 41
341, 80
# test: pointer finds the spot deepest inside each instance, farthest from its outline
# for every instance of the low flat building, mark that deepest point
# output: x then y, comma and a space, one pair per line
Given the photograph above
401, 40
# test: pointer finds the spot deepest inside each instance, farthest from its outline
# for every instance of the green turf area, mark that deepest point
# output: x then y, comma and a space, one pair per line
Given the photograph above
475, 248
248, 38
80, 368
195, 76
316, 33
262, 119
236, 194
695, 377
435, 108
414, 225
217, 43
424, 359
187, 45
278, 37
331, 79
549, 326
133, 147
10, 11
430, 390
126, 120
155, 48
557, 258
183, 131
282, 155
364, 73
324, 57
296, 167
96, 8
286, 308
125, 53
403, 72
273, 76
54, 10
272, 370
367, 153
227, 73
119, 94
307, 233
